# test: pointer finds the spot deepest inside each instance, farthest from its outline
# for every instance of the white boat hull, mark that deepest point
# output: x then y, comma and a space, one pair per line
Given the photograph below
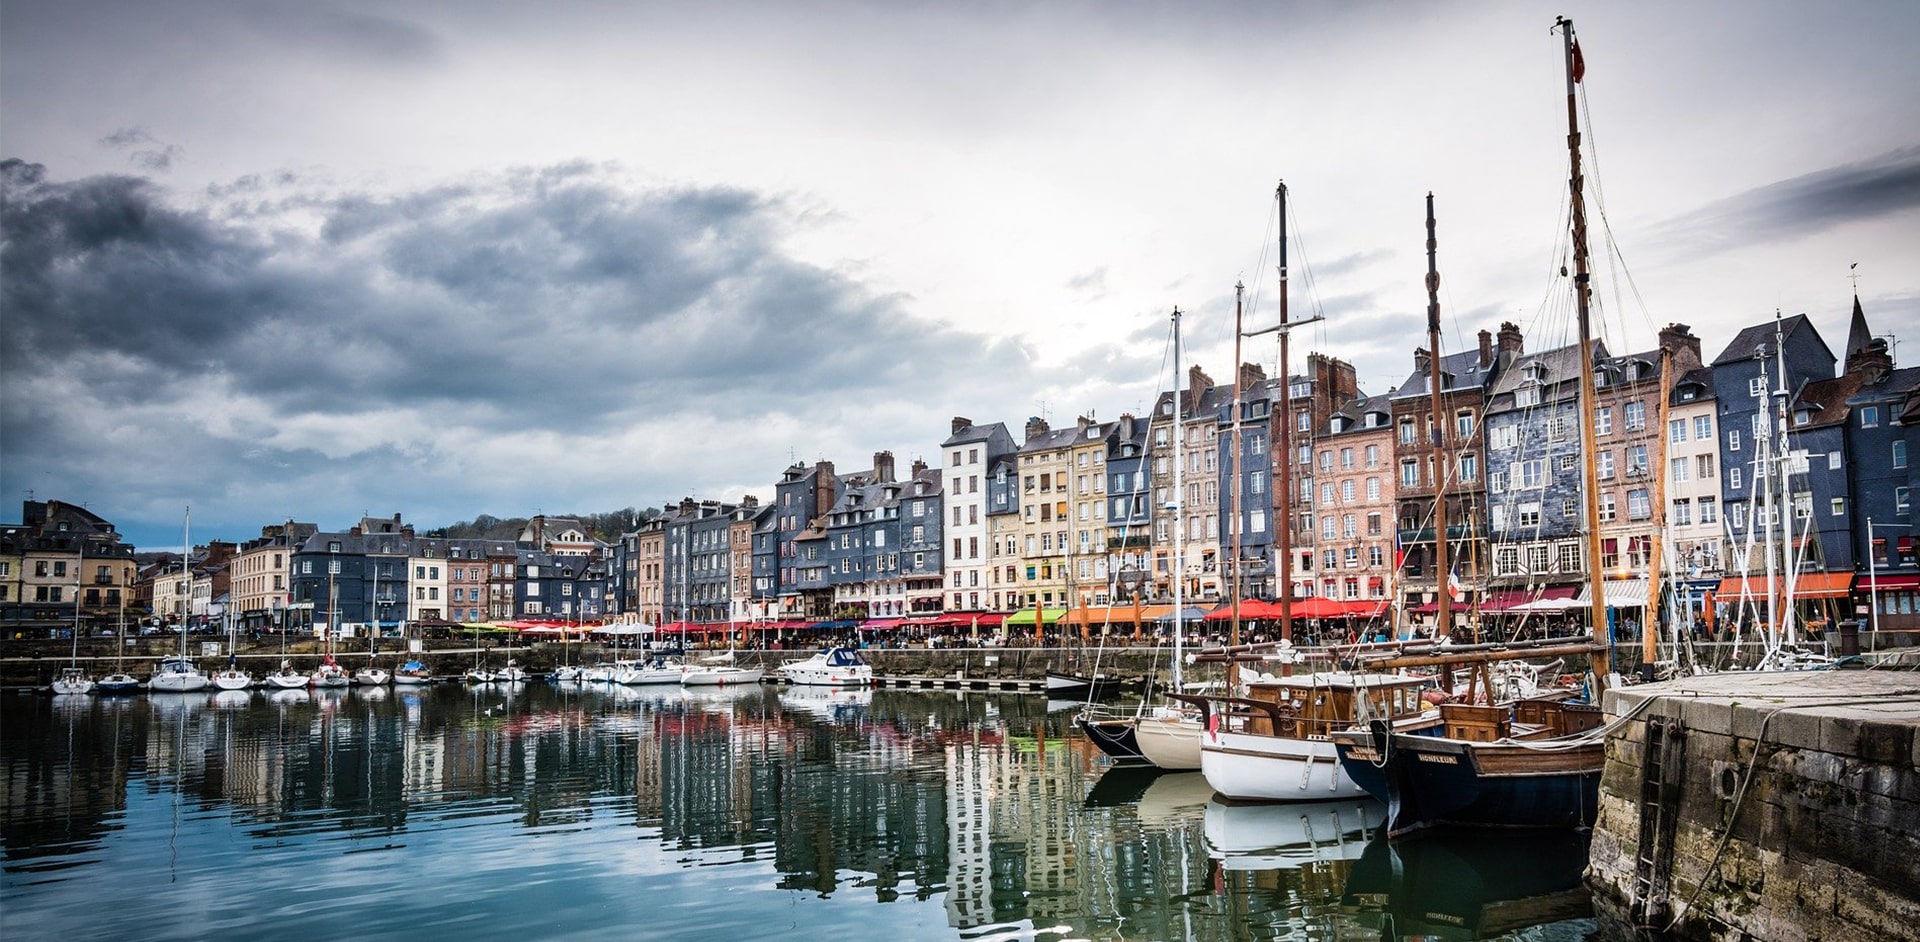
1248, 767
66, 685
720, 676
177, 683
640, 676
478, 676
233, 680
371, 677
1170, 742
810, 676
404, 679
330, 677
287, 680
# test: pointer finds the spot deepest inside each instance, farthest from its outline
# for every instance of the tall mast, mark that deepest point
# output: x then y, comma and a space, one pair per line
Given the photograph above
1179, 502
1233, 522
1656, 559
1283, 474
1437, 434
1782, 464
1762, 463
1582, 292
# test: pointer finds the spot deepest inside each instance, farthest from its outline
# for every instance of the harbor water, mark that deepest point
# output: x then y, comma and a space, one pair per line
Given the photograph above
534, 811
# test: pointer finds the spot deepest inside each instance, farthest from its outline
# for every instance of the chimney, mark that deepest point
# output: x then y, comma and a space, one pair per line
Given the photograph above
1678, 337
961, 424
750, 502
883, 467
1486, 347
1036, 427
1198, 382
688, 505
825, 488
1511, 340
1084, 422
1873, 362
1251, 375
1126, 426
1421, 361
919, 467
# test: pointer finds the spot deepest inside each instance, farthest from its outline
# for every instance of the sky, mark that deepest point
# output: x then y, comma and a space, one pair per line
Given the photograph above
320, 260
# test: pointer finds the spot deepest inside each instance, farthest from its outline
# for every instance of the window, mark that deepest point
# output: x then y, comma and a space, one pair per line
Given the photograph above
1346, 459
1347, 491
1680, 469
1839, 508
1463, 423
1604, 462
1469, 468
1373, 524
1899, 454
1349, 526
1703, 427
1682, 512
1373, 489
1606, 507
1636, 459
1833, 460
1376, 557
1677, 430
1638, 506
1373, 456
1506, 561
1900, 503
1757, 386
1636, 415
1703, 467
1602, 422
1733, 439
1709, 510
1869, 416
1733, 478
1528, 515
1570, 557
1496, 481
1409, 473
1533, 473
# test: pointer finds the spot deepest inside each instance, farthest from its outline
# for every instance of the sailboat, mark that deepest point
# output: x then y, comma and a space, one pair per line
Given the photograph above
329, 674
1532, 763
72, 679
720, 671
118, 682
177, 673
232, 677
373, 675
285, 677
478, 674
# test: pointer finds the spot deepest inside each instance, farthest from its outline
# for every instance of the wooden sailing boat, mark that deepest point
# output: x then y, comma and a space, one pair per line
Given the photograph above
1532, 763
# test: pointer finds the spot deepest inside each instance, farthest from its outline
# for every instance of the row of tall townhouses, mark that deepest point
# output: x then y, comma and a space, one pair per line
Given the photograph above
1762, 460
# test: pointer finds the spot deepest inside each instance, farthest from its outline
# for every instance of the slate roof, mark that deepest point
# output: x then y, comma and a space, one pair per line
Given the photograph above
1458, 371
1749, 340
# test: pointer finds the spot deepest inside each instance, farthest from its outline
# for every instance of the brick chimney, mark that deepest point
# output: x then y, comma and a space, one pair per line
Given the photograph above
1511, 340
1251, 375
919, 467
1486, 347
1198, 382
687, 506
1421, 359
750, 502
1036, 427
961, 424
883, 467
1678, 338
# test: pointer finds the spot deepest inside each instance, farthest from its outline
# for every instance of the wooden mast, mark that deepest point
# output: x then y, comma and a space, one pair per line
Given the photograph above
1582, 292
1649, 637
1437, 433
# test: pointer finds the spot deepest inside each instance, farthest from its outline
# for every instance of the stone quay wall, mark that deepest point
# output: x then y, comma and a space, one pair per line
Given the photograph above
1776, 806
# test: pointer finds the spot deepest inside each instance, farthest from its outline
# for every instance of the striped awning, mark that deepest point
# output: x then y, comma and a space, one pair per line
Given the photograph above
1806, 585
1620, 593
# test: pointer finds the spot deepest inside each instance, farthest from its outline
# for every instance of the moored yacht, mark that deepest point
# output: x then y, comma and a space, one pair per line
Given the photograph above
832, 667
176, 674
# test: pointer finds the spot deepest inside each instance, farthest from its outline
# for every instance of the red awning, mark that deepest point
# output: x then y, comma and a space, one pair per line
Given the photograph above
881, 624
1365, 609
1887, 583
1807, 585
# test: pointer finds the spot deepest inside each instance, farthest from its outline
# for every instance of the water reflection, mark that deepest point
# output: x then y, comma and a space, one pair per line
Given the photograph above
529, 809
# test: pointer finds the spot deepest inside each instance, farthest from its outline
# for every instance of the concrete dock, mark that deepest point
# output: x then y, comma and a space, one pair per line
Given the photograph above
1777, 806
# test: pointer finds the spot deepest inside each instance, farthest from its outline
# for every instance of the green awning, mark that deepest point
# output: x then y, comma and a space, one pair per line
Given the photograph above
1025, 616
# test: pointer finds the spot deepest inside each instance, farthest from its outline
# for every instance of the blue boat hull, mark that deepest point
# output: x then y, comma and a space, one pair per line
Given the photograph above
1428, 780
1116, 738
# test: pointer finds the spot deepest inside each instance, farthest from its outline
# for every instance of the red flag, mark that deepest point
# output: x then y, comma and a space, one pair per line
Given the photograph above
1579, 63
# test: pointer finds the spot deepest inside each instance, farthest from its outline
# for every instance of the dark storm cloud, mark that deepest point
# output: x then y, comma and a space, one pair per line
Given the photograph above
1800, 207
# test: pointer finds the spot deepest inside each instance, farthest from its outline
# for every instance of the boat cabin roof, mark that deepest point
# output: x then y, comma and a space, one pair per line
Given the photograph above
1344, 680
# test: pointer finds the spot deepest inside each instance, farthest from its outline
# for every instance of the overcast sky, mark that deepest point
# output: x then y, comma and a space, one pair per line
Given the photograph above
316, 260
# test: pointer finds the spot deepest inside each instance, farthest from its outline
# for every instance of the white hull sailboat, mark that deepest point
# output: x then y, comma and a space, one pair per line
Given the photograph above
720, 675
642, 673
513, 673
330, 675
177, 675
1170, 738
232, 677
72, 680
413, 674
371, 676
286, 678
1276, 743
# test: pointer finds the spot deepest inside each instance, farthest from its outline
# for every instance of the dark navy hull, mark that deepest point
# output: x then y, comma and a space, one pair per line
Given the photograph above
1428, 780
1115, 737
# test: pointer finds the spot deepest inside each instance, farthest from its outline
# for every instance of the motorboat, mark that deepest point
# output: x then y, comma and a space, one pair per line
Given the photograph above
564, 674
177, 674
657, 671
116, 684
1065, 686
479, 675
719, 671
832, 667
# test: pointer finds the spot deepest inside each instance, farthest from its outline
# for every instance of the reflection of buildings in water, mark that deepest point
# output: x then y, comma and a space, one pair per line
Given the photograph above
1013, 855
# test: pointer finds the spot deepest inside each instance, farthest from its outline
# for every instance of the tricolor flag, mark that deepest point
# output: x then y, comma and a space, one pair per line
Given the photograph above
1455, 590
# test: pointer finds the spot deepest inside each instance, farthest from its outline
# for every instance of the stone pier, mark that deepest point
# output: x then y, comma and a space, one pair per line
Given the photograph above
1775, 806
